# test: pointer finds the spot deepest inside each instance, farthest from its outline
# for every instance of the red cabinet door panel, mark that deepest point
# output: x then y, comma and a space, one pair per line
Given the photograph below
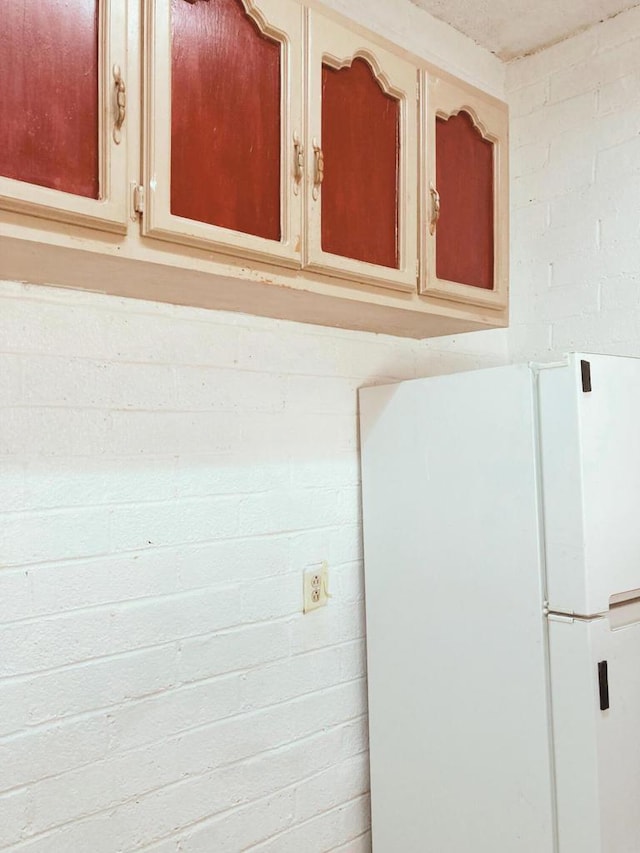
49, 94
360, 142
226, 124
465, 181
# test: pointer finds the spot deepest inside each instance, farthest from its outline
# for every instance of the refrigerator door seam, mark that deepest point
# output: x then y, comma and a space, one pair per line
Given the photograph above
542, 556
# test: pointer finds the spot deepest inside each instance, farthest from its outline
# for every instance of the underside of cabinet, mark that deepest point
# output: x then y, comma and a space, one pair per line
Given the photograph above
134, 267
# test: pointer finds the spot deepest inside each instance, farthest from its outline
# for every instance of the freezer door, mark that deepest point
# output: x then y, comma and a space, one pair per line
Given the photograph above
590, 458
596, 748
456, 641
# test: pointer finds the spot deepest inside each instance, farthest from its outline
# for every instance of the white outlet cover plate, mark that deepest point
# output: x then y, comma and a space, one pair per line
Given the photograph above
316, 587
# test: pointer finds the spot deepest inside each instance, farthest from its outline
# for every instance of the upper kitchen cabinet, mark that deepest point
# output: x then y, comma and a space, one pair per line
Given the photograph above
224, 150
362, 155
63, 102
464, 185
280, 162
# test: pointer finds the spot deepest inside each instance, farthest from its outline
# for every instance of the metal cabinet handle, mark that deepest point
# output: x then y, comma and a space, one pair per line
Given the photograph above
318, 171
121, 104
435, 209
298, 163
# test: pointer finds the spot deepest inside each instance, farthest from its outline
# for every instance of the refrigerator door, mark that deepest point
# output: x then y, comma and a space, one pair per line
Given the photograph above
458, 704
590, 457
597, 748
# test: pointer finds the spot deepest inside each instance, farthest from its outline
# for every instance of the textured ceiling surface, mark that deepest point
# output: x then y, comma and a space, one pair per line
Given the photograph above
511, 28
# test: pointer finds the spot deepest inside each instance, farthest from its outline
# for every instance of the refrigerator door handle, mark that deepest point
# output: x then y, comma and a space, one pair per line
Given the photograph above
603, 684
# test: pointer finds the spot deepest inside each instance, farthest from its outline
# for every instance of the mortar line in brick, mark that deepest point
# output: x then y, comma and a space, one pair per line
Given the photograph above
88, 662
179, 688
341, 847
253, 712
179, 545
143, 747
266, 664
98, 713
275, 620
225, 813
49, 670
298, 825
83, 664
198, 543
175, 502
185, 780
128, 603
231, 367
350, 642
87, 816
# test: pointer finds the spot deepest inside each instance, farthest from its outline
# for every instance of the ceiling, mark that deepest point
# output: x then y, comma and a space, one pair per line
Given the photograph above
512, 28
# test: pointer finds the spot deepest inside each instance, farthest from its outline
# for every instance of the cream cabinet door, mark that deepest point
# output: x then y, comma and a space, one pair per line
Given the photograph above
224, 154
63, 135
464, 193
362, 158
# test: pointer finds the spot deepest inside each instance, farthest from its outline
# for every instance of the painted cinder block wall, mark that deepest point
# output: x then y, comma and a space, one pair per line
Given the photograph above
165, 476
575, 194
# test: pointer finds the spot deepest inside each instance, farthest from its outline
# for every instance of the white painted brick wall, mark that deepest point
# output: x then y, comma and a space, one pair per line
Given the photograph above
576, 194
165, 476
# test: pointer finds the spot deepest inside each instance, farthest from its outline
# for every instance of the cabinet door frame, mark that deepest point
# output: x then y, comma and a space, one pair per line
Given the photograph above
443, 98
282, 20
328, 41
110, 211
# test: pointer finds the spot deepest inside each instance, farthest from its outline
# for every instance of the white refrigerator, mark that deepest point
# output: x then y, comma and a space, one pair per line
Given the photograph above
502, 578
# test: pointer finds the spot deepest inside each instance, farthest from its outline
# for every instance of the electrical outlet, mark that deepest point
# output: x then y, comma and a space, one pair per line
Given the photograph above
316, 586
